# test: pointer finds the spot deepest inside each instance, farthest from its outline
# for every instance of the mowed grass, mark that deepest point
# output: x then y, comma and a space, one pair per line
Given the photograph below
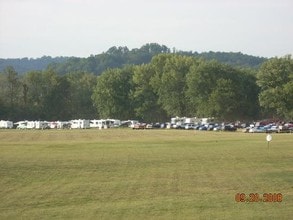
145, 174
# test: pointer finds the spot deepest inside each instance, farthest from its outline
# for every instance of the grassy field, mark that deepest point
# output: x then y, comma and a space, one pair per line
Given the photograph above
145, 174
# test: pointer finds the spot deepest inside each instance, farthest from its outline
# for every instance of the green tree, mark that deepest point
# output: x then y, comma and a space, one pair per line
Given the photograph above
169, 82
145, 100
38, 86
11, 94
13, 86
34, 84
82, 86
112, 93
57, 103
221, 101
275, 79
201, 81
218, 90
248, 92
3, 99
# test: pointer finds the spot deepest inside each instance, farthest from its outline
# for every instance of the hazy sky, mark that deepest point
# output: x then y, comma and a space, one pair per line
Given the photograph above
33, 28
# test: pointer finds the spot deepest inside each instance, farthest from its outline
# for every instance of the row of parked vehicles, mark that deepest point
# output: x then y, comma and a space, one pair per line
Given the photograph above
186, 126
72, 124
270, 128
206, 127
176, 123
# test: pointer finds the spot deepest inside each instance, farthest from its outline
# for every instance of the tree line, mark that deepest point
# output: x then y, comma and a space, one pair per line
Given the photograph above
169, 85
117, 57
24, 65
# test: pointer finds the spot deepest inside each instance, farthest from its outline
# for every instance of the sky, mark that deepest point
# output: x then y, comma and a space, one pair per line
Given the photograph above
34, 28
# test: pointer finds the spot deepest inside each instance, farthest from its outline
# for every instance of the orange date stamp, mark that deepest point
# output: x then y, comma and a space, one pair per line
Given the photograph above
256, 197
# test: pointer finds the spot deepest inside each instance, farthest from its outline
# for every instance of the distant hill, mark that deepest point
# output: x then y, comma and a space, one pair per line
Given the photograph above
24, 65
234, 59
117, 57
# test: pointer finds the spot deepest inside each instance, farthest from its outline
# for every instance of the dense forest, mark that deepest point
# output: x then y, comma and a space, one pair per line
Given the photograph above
171, 84
117, 57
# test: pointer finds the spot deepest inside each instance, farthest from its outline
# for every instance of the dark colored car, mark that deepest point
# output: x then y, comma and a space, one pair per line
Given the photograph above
229, 128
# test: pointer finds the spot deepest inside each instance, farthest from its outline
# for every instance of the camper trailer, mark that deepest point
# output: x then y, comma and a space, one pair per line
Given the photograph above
112, 123
80, 123
63, 124
105, 123
31, 125
21, 124
129, 123
41, 125
6, 124
206, 121
177, 122
96, 124
59, 124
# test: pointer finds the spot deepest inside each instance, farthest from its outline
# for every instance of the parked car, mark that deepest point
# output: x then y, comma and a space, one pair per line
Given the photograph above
285, 129
203, 128
273, 129
229, 127
156, 125
196, 127
189, 126
149, 126
211, 126
139, 126
257, 129
217, 128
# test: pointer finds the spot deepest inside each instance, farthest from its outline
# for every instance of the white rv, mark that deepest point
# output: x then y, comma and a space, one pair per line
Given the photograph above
96, 123
112, 123
6, 124
129, 123
80, 123
105, 123
53, 124
31, 125
63, 124
59, 124
177, 122
206, 121
21, 124
42, 125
